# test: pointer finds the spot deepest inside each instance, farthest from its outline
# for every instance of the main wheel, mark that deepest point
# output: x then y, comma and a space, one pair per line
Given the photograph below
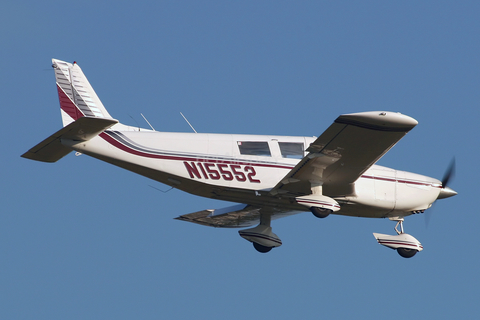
261, 248
406, 253
320, 212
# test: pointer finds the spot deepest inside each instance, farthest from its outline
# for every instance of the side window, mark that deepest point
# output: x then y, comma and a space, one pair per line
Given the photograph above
291, 150
254, 148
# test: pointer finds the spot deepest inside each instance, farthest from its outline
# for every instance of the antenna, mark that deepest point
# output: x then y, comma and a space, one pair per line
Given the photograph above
147, 121
159, 189
189, 123
135, 122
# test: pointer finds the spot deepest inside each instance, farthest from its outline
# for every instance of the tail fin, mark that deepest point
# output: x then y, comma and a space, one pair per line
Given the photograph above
83, 114
76, 95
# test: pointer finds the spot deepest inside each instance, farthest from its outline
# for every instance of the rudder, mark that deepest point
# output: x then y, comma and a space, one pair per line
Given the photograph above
76, 96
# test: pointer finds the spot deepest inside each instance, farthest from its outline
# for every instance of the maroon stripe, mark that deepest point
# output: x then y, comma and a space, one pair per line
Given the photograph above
318, 202
67, 105
399, 243
125, 148
261, 236
402, 181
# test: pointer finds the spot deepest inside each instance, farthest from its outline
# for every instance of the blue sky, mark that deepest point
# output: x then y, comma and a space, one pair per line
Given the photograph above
80, 239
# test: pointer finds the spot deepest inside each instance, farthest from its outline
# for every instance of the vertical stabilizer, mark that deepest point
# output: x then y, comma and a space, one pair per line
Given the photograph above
76, 95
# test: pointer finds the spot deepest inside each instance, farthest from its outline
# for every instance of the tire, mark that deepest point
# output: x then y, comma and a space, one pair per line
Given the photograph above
406, 253
261, 248
320, 212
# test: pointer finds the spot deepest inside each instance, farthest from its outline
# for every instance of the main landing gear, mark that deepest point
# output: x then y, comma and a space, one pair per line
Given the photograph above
264, 240
406, 245
261, 236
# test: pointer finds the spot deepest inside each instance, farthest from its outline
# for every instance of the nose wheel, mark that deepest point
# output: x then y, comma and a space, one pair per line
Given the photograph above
406, 245
406, 253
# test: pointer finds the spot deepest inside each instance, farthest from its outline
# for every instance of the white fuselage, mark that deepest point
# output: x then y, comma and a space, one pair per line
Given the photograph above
212, 165
268, 176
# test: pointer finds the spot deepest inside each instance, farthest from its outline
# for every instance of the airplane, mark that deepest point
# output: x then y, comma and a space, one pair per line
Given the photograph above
270, 177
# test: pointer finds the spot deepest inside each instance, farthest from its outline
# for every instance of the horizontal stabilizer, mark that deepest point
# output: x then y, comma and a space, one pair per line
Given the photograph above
83, 129
237, 216
232, 217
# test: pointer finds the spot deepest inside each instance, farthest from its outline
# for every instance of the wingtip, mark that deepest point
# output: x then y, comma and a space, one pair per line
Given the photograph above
379, 120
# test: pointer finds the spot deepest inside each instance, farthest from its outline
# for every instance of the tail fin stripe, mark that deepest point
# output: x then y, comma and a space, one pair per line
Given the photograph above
68, 106
77, 97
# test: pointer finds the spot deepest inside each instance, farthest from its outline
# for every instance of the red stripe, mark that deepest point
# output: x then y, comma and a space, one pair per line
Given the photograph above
318, 202
402, 181
125, 148
400, 243
260, 236
67, 105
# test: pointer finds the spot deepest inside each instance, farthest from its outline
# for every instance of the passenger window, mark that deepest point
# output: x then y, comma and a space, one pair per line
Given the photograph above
291, 150
254, 148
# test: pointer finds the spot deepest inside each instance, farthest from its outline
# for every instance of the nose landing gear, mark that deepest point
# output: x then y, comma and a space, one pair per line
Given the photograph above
406, 245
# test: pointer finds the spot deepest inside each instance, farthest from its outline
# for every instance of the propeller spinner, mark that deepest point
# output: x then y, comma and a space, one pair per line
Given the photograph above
447, 192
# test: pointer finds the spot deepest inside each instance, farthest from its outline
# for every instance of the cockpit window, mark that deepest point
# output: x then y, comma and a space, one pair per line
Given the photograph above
254, 148
291, 150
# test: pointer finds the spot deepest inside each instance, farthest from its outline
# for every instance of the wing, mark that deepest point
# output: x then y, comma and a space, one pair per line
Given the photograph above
336, 159
351, 145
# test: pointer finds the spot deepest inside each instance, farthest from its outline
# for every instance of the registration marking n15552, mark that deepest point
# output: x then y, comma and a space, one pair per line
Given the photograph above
217, 171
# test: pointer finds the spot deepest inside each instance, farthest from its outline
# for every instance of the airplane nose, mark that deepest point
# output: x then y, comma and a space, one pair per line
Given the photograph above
446, 193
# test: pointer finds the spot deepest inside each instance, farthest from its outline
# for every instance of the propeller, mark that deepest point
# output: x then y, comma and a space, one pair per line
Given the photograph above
449, 174
445, 192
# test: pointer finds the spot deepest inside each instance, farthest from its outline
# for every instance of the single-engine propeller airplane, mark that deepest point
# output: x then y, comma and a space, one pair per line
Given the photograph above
270, 176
